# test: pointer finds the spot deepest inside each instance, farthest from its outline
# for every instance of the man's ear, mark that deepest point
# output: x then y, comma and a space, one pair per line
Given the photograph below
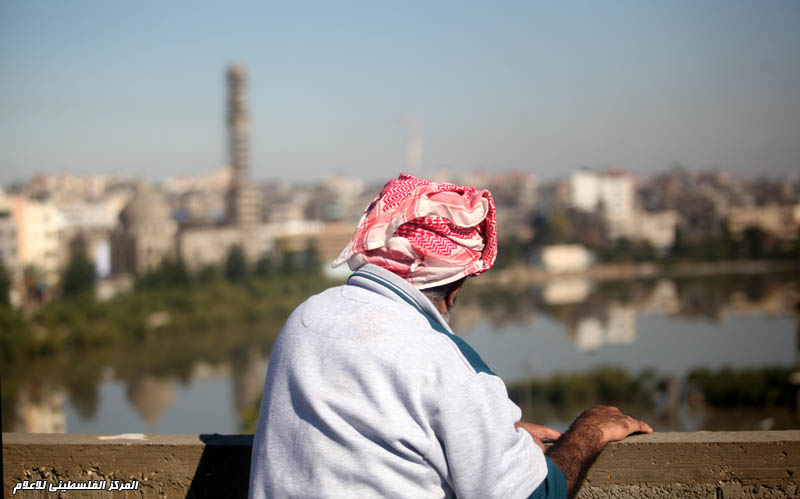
450, 298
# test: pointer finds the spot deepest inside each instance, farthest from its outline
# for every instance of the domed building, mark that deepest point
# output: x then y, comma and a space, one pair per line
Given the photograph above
146, 233
208, 224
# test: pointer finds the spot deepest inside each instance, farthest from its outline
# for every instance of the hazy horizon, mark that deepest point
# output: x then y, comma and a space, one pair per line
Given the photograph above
368, 90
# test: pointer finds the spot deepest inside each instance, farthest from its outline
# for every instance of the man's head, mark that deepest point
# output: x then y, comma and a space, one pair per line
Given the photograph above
431, 234
444, 297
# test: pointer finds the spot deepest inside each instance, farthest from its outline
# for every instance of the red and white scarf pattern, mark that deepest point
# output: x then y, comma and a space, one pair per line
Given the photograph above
426, 232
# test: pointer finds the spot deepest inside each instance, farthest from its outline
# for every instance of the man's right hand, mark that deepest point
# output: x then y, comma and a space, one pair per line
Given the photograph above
577, 448
612, 423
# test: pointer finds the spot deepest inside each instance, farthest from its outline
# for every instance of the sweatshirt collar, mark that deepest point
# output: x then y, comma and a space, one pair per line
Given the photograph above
396, 288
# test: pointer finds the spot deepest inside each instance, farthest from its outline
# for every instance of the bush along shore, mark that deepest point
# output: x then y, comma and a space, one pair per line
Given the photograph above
169, 322
726, 387
167, 301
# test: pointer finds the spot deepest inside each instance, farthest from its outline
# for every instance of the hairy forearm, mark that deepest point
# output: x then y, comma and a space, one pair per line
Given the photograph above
575, 451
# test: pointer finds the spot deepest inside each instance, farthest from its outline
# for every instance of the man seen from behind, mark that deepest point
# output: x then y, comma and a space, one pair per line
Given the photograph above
370, 394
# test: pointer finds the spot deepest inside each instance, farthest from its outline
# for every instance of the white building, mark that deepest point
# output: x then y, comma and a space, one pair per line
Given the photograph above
780, 221
40, 228
618, 197
91, 215
657, 228
69, 187
216, 180
584, 190
563, 258
613, 192
9, 247
88, 225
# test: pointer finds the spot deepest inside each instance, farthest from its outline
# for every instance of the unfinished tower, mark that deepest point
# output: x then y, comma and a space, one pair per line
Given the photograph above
243, 200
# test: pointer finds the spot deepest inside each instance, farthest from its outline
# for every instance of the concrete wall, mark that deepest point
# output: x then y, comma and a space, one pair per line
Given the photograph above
703, 464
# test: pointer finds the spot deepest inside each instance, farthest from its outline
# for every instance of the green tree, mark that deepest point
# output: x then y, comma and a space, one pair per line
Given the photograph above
236, 264
79, 276
730, 245
560, 227
34, 284
171, 272
510, 251
553, 228
679, 248
754, 242
5, 285
175, 272
312, 261
264, 265
208, 274
15, 337
288, 263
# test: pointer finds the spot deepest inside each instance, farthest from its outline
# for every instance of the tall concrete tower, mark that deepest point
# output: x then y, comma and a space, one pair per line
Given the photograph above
243, 199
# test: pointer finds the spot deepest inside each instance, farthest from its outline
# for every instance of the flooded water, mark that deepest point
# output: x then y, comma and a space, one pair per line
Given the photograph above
668, 327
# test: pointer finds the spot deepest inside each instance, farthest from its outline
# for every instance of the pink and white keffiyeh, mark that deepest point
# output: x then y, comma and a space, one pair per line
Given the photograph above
426, 232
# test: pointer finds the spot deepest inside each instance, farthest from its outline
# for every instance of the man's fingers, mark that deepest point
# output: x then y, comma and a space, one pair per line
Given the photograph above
546, 433
642, 427
539, 432
632, 424
637, 426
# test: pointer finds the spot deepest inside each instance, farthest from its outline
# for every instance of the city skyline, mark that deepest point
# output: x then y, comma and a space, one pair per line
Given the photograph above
370, 90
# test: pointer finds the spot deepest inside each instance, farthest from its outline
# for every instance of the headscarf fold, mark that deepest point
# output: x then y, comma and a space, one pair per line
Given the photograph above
426, 232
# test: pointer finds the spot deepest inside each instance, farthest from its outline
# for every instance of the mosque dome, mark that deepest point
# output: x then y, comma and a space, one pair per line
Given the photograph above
147, 208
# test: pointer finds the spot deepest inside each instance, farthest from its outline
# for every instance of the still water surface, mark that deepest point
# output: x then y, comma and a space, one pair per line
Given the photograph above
669, 326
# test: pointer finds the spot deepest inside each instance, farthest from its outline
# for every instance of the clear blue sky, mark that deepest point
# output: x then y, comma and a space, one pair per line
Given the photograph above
138, 87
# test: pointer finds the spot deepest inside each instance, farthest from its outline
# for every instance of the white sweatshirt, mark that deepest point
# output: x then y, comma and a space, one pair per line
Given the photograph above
369, 394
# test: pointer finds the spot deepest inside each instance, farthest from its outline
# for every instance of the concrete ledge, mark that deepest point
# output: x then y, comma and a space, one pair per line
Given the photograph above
702, 464
210, 466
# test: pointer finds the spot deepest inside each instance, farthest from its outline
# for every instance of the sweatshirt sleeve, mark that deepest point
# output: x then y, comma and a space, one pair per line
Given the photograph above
486, 455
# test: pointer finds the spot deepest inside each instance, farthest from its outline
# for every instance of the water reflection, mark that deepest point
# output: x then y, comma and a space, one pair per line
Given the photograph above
38, 409
249, 370
686, 418
595, 313
212, 382
152, 396
664, 329
209, 379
